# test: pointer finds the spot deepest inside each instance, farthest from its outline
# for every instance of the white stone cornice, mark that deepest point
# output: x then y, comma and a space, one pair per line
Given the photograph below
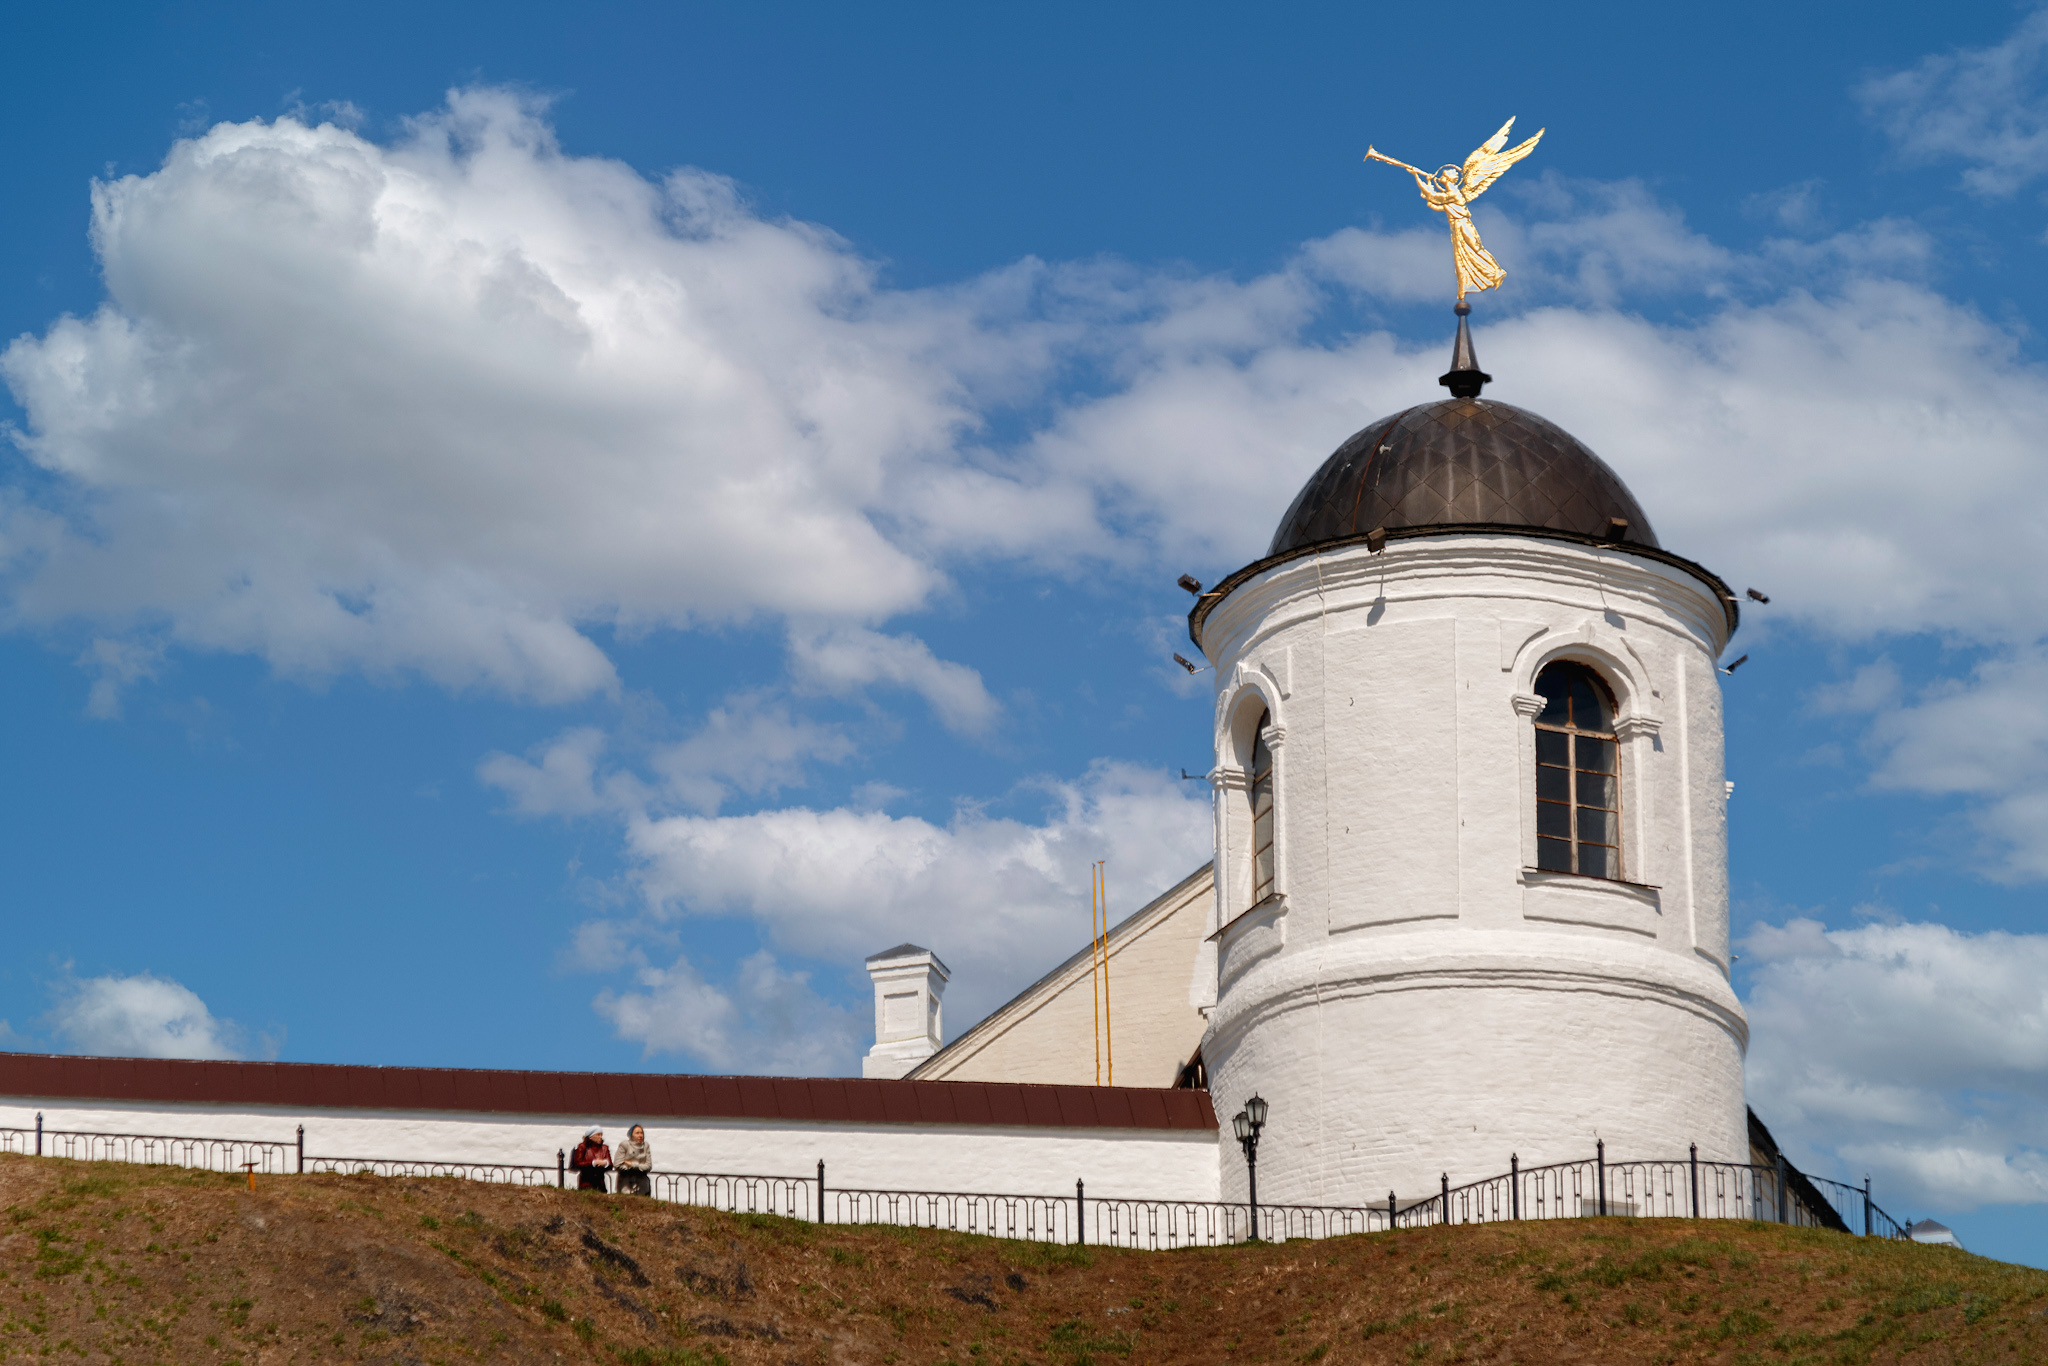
1528, 705
1632, 727
1494, 959
1229, 779
1506, 569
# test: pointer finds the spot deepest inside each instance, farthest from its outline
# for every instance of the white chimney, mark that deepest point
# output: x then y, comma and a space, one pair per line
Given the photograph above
908, 984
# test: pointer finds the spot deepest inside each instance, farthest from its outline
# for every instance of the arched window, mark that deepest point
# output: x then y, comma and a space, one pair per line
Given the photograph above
1578, 775
1262, 815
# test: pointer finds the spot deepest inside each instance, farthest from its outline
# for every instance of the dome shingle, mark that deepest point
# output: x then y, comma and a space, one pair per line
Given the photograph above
1461, 462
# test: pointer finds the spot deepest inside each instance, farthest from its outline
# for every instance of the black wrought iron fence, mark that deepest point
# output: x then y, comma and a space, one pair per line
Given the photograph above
1856, 1209
1687, 1187
1730, 1190
266, 1156
1682, 1188
1031, 1218
1159, 1225
792, 1197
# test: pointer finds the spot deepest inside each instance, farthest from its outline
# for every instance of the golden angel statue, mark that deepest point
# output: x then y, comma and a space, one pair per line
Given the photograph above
1451, 192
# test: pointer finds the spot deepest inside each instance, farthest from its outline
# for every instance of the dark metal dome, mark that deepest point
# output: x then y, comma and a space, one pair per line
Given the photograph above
1462, 462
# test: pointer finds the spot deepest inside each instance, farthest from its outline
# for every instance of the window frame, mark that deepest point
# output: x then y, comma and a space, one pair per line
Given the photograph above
1581, 809
1263, 863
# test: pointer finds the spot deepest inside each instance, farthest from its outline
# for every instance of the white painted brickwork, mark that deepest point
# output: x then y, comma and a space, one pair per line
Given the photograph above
1416, 1000
910, 987
1149, 1163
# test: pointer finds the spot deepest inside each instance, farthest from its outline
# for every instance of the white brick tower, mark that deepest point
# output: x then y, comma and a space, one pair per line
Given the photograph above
1471, 859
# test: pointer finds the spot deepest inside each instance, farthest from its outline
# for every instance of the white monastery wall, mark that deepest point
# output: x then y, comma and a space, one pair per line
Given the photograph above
1416, 997
1150, 1163
1047, 1035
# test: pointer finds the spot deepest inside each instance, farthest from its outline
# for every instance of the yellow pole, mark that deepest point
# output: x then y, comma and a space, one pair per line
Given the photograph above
1094, 978
1108, 1028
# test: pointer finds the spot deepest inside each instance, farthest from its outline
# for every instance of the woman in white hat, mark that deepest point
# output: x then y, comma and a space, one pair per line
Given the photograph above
591, 1160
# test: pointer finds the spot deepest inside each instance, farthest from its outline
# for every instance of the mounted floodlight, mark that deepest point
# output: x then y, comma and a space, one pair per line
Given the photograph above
1376, 540
1739, 662
1185, 664
1191, 583
1617, 528
1755, 596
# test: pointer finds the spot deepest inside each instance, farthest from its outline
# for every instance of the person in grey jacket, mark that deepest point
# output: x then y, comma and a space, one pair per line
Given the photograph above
633, 1162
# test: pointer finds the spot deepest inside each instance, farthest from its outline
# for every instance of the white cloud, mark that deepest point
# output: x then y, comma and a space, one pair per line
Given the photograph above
442, 405
1873, 687
560, 779
1787, 443
848, 659
1797, 207
433, 406
1985, 739
1986, 106
1913, 1051
602, 946
1001, 900
752, 744
875, 795
1599, 243
765, 1020
142, 1016
119, 664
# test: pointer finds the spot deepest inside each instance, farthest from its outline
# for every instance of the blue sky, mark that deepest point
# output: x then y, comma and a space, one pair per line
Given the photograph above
538, 537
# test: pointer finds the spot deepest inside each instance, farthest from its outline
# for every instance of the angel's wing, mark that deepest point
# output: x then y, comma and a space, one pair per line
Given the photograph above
1484, 166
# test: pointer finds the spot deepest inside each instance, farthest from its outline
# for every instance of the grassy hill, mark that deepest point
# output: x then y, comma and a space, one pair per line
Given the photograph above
107, 1263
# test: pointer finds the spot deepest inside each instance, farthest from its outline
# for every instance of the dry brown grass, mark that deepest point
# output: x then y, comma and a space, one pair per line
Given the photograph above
102, 1263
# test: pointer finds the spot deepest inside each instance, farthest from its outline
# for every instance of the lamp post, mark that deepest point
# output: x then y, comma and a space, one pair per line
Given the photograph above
1246, 1124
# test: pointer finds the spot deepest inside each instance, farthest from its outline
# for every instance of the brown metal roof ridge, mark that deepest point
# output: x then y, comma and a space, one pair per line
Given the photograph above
1199, 613
619, 1095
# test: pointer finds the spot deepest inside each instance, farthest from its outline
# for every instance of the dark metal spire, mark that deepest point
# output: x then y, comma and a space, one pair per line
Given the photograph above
1464, 379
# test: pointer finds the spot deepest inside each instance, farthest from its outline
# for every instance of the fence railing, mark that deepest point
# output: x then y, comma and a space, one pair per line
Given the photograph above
1683, 1188
1853, 1204
1689, 1187
209, 1154
792, 1197
1033, 1218
1161, 1224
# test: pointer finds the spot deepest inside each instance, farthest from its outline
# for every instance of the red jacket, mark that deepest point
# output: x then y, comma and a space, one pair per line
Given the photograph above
590, 1154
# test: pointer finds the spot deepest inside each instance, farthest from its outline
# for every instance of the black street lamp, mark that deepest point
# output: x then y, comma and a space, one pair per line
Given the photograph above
1246, 1124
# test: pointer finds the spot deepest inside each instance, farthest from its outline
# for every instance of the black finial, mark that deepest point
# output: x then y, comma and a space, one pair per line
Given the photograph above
1464, 379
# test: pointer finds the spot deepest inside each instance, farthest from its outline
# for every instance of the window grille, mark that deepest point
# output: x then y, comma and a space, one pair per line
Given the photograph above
1578, 774
1262, 816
